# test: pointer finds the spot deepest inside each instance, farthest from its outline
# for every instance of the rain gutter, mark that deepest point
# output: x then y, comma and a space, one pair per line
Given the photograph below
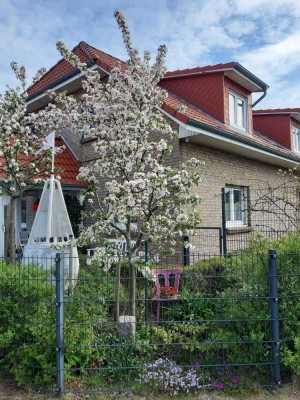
246, 141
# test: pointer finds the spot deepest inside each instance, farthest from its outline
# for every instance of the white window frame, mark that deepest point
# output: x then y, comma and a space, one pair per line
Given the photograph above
233, 113
296, 139
233, 221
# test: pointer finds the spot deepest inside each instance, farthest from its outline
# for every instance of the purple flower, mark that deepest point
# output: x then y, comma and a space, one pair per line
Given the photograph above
234, 379
196, 365
255, 385
217, 385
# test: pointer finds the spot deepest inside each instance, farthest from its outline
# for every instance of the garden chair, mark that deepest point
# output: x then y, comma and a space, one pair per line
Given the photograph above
166, 278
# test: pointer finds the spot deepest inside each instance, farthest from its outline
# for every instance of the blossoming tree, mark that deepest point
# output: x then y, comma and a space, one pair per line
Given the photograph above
131, 178
22, 135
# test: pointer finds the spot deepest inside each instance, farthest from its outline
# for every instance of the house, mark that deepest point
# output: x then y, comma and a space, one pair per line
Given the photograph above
242, 149
67, 167
282, 125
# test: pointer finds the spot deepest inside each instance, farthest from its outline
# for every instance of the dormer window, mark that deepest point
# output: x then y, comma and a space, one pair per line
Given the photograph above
238, 107
296, 138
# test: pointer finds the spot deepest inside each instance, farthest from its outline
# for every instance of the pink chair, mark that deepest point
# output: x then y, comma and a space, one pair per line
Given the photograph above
165, 275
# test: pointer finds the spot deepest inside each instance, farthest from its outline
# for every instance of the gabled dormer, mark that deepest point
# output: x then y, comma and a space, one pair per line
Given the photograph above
281, 125
224, 91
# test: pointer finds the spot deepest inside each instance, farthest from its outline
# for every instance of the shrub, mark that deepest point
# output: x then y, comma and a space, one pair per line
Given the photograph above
27, 329
205, 275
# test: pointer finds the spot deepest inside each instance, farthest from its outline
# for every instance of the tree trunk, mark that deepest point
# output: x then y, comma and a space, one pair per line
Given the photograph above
11, 230
117, 292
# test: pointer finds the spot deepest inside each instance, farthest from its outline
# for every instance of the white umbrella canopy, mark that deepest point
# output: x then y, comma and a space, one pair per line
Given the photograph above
52, 226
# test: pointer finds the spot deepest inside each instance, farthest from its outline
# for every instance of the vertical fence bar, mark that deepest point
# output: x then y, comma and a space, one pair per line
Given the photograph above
274, 310
59, 302
224, 235
186, 252
220, 241
146, 281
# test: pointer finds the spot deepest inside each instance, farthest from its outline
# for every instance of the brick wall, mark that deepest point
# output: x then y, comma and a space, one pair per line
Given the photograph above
224, 168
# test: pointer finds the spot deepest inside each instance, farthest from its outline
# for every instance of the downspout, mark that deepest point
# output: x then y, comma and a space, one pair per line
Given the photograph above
261, 97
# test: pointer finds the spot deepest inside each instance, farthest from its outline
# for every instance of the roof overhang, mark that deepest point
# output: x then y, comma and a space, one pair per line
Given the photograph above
295, 115
69, 83
237, 73
212, 138
209, 136
243, 81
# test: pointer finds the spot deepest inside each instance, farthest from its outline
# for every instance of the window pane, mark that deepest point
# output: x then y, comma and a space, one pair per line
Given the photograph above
296, 139
227, 205
231, 109
23, 213
237, 203
240, 113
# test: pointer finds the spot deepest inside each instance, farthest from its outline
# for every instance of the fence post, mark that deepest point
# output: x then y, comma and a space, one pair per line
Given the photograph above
146, 281
224, 235
59, 303
274, 310
186, 252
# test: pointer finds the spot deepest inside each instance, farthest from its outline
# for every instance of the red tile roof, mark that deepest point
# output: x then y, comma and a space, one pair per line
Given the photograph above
85, 53
65, 165
277, 111
198, 70
172, 103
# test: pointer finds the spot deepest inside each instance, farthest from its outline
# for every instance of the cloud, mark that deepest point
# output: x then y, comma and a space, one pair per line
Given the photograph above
261, 36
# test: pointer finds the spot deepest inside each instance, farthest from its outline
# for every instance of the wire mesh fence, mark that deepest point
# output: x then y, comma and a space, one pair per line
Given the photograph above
212, 324
239, 215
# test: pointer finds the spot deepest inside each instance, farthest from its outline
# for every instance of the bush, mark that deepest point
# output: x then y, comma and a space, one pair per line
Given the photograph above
205, 276
27, 331
27, 319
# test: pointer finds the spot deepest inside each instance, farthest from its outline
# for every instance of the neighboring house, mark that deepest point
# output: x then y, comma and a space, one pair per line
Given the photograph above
67, 167
216, 127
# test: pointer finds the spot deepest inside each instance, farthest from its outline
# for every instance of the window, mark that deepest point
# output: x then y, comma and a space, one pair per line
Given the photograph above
296, 138
23, 214
236, 205
237, 111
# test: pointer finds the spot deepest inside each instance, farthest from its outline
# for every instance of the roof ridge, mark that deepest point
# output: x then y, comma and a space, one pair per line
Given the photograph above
277, 110
210, 67
53, 67
91, 51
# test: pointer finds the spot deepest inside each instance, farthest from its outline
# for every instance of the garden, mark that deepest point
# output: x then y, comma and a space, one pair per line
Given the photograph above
214, 334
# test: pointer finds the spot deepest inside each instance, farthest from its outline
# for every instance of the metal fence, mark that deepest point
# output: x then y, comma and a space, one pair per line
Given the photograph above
224, 327
234, 218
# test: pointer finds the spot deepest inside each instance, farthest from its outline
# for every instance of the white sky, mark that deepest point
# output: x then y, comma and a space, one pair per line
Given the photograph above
262, 35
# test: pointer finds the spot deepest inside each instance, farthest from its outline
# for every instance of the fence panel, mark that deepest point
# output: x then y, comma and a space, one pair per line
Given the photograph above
218, 330
272, 212
27, 326
207, 240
